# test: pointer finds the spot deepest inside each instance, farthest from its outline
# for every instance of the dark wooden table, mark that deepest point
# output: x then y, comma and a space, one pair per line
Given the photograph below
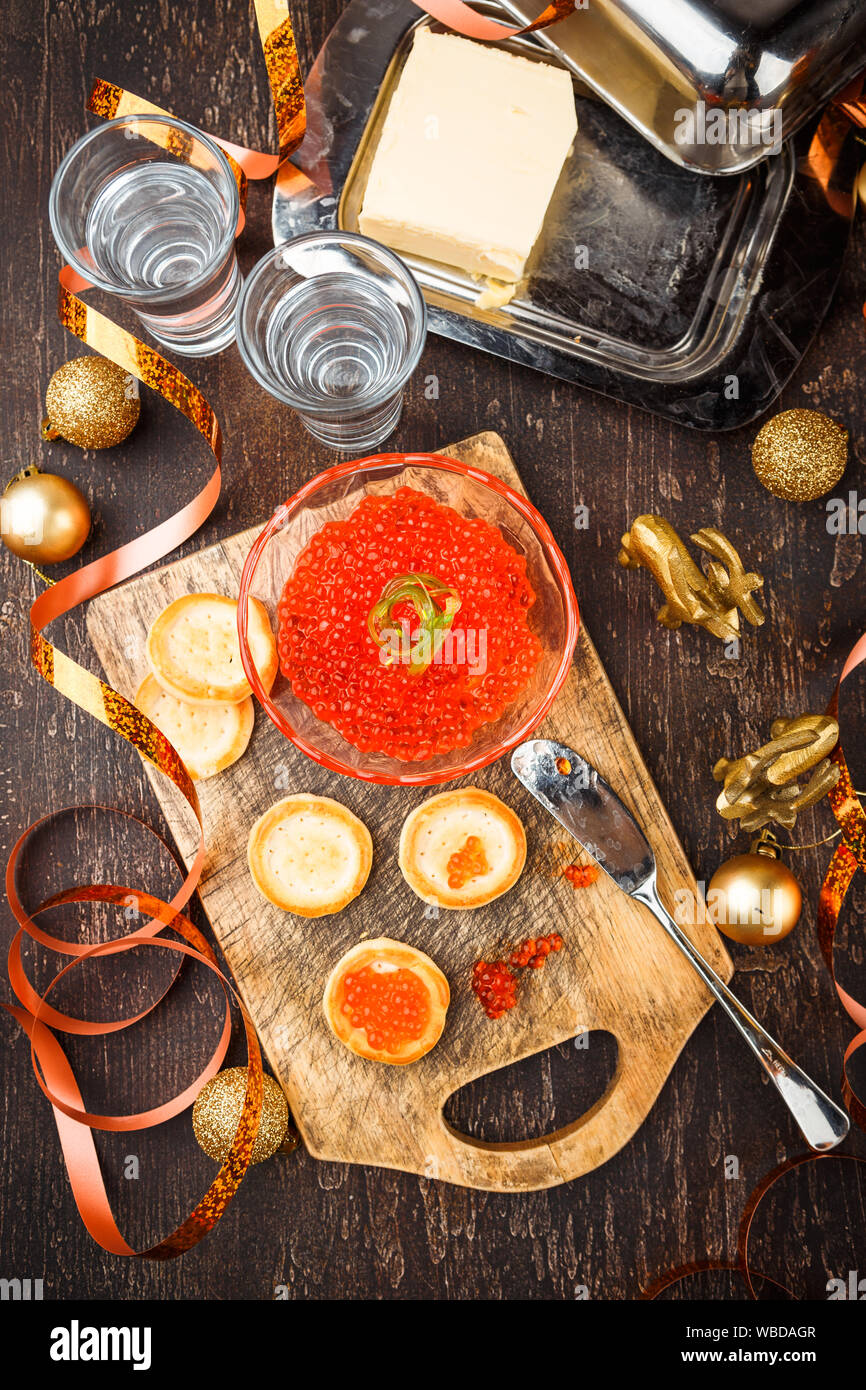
323, 1230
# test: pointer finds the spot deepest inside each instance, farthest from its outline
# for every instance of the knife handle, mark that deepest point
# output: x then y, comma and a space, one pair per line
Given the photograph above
822, 1123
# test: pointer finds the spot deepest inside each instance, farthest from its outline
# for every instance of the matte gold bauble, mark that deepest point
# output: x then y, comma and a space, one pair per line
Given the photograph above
800, 454
91, 402
218, 1108
754, 898
43, 517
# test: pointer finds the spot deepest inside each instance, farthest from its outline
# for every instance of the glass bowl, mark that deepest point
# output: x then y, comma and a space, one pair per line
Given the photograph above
333, 496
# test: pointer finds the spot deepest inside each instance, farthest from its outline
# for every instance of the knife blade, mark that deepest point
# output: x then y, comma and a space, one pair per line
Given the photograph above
583, 803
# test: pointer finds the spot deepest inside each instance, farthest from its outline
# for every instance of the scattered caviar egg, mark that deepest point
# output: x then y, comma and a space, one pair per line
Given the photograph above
581, 875
563, 766
375, 692
386, 1001
494, 983
494, 987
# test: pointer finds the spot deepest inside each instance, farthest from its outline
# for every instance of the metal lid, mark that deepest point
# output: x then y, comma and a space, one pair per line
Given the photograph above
716, 85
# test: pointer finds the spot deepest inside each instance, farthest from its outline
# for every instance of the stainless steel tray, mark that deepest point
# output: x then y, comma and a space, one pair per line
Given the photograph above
699, 294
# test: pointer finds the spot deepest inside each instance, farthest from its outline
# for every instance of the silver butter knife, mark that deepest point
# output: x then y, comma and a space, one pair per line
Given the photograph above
593, 814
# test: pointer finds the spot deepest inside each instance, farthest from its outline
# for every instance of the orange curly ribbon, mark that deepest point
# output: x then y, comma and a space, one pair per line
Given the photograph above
847, 108
35, 1015
695, 1267
742, 1265
848, 858
57, 1080
464, 20
757, 1198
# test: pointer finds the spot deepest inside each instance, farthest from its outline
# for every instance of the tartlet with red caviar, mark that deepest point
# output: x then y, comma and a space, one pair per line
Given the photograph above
387, 1001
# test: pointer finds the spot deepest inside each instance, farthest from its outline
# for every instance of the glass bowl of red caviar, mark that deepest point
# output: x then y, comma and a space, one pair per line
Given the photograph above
425, 618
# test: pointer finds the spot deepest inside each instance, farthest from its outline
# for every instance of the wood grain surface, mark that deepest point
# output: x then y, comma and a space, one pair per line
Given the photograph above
618, 972
324, 1229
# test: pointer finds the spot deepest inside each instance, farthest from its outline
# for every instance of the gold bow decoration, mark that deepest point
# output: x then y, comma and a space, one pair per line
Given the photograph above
712, 600
767, 785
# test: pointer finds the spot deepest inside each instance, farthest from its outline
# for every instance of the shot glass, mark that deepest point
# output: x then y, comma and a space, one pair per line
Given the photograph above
147, 208
334, 324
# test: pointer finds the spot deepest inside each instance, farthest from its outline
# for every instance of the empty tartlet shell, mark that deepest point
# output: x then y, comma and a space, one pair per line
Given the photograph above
444, 822
203, 754
280, 888
398, 954
198, 677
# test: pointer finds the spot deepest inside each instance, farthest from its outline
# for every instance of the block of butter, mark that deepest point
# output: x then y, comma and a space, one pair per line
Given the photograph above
470, 152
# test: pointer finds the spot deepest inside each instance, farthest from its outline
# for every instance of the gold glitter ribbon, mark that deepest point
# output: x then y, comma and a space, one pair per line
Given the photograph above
86, 690
287, 92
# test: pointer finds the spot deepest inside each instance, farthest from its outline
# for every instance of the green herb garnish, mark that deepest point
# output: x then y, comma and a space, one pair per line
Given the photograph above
425, 592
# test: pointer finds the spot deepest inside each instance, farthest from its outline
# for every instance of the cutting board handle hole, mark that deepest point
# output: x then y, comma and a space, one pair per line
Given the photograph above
541, 1094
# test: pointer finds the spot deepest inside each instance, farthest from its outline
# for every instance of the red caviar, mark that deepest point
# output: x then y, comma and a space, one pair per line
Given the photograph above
336, 667
495, 987
581, 875
391, 1006
466, 863
535, 950
494, 983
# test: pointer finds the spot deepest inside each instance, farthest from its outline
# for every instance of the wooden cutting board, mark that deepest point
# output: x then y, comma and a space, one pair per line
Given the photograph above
618, 970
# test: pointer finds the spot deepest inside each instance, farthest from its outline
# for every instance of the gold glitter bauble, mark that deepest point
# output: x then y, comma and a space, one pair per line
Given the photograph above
91, 402
43, 517
800, 454
218, 1108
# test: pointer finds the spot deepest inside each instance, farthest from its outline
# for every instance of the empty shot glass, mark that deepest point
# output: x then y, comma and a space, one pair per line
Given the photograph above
334, 324
147, 208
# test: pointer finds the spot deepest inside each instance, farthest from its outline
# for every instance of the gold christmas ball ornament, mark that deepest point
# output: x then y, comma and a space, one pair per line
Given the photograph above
43, 518
800, 455
92, 403
218, 1108
754, 898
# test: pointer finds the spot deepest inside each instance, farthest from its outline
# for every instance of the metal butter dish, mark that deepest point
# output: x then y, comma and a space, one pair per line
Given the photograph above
690, 296
669, 66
